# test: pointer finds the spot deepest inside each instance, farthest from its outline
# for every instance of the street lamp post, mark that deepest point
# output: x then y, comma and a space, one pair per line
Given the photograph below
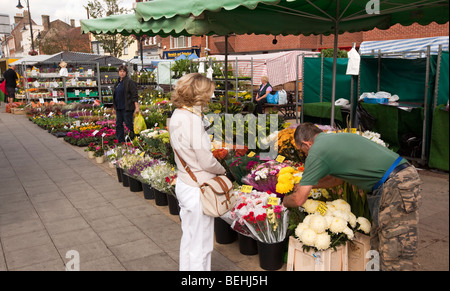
19, 5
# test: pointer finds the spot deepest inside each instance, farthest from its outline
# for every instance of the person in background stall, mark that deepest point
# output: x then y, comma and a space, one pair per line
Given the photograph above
261, 96
392, 183
125, 103
11, 79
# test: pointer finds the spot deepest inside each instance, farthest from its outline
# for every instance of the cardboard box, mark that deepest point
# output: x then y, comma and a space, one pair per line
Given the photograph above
329, 260
357, 250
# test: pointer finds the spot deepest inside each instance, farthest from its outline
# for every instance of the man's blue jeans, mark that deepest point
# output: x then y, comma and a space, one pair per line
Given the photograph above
122, 116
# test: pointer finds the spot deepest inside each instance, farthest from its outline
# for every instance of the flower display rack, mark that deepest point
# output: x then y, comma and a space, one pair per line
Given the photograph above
329, 260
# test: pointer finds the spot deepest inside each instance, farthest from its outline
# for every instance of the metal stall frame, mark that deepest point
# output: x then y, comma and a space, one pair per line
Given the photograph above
236, 72
423, 159
26, 84
438, 75
321, 88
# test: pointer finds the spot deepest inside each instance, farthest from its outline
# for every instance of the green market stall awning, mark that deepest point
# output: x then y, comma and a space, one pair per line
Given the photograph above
295, 17
200, 17
128, 24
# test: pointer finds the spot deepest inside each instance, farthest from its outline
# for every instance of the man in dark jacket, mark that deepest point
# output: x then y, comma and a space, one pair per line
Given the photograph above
10, 83
125, 103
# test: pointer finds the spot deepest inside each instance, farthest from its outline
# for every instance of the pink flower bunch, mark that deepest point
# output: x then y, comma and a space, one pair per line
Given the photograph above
77, 134
110, 123
259, 215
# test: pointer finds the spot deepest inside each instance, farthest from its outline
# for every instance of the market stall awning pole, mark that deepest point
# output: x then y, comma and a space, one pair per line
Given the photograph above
226, 74
296, 89
302, 113
336, 37
141, 49
425, 107
438, 75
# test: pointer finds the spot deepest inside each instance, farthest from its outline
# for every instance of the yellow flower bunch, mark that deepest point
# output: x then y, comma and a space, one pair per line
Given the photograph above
286, 146
272, 218
287, 178
246, 95
89, 127
286, 139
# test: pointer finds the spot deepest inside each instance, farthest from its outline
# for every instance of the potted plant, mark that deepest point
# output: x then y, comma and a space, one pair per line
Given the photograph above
90, 150
99, 154
157, 175
261, 215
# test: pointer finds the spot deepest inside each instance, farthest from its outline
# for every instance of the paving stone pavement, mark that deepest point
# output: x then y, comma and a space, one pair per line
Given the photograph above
53, 200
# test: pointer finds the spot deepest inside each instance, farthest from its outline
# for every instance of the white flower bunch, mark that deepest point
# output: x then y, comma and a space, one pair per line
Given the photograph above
317, 193
261, 174
375, 137
152, 132
157, 174
273, 137
129, 159
321, 229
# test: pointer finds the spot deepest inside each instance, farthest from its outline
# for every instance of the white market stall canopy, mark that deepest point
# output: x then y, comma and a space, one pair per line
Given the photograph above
405, 46
70, 57
279, 67
32, 60
138, 61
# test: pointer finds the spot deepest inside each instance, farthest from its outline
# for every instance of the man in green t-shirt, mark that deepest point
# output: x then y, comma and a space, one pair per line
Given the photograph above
393, 183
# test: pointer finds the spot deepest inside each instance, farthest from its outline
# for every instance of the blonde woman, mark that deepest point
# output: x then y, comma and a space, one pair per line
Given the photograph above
192, 144
261, 96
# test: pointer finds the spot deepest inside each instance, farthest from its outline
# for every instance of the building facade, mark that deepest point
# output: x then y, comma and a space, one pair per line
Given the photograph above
49, 38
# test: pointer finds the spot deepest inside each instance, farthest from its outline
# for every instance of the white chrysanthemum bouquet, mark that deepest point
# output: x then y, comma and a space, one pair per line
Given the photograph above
329, 224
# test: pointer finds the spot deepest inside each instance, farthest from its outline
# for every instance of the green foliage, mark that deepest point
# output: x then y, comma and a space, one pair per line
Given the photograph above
329, 53
248, 134
183, 66
113, 44
153, 117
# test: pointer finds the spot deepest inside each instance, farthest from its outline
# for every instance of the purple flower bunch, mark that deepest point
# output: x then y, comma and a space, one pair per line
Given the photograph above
110, 123
141, 165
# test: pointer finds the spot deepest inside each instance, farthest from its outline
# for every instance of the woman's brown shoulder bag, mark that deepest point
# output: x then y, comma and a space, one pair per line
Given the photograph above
217, 194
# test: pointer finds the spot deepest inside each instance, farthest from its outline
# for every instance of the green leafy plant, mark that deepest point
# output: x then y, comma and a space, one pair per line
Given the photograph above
328, 53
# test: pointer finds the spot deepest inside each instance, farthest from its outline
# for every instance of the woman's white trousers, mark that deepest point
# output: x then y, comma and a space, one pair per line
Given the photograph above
197, 240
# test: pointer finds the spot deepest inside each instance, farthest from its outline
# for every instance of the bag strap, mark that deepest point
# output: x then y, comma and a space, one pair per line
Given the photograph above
221, 183
186, 167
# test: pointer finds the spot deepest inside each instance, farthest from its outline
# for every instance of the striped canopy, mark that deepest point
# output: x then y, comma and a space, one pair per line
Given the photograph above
405, 45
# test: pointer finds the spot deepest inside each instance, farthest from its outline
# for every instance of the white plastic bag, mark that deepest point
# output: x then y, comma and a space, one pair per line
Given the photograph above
341, 102
382, 94
282, 97
354, 60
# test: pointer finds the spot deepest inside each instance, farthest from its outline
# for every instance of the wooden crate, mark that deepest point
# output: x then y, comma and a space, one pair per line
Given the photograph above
357, 250
330, 260
18, 111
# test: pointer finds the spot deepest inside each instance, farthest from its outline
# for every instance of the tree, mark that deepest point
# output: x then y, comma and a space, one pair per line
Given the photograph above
113, 44
67, 40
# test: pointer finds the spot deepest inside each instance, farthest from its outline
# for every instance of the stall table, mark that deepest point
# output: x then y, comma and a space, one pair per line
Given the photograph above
392, 122
439, 153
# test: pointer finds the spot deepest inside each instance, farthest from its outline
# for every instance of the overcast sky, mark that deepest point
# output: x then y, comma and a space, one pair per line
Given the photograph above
57, 9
